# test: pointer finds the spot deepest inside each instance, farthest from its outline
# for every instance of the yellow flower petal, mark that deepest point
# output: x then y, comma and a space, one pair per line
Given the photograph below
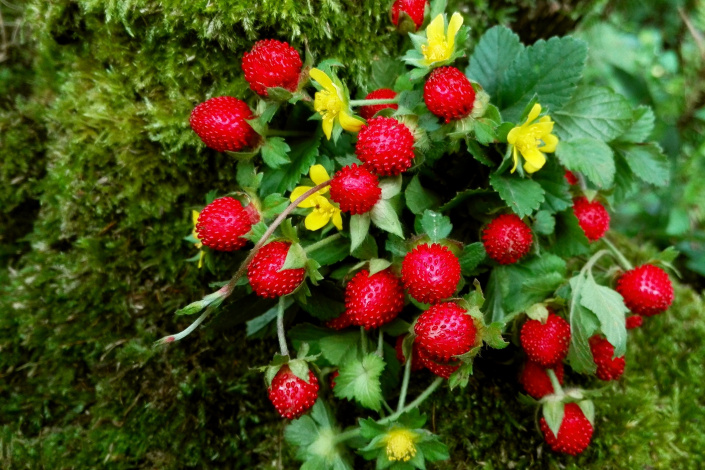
338, 220
194, 216
300, 191
534, 159
513, 135
350, 123
539, 129
550, 142
200, 259
316, 220
318, 174
327, 125
456, 21
534, 113
435, 30
516, 159
323, 79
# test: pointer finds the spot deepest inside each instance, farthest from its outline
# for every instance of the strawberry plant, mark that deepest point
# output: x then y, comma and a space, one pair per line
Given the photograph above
467, 211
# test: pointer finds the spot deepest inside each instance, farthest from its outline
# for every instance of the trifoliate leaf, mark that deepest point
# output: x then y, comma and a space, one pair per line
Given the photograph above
593, 112
359, 381
495, 51
593, 158
523, 196
339, 347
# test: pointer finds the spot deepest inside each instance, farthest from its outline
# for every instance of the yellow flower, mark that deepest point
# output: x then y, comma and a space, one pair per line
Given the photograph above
323, 211
331, 103
199, 245
400, 445
441, 42
533, 140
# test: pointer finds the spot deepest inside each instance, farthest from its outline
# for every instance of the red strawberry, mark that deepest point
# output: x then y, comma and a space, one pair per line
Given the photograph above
221, 124
333, 376
270, 64
355, 189
341, 322
290, 395
369, 111
507, 238
592, 217
647, 290
570, 177
634, 321
534, 378
372, 301
445, 330
264, 272
416, 363
449, 94
223, 222
386, 146
546, 343
414, 8
441, 369
430, 273
575, 432
608, 367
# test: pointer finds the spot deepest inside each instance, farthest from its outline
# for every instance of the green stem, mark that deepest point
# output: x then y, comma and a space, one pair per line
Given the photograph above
283, 133
620, 257
414, 404
557, 389
404, 384
380, 344
322, 243
374, 102
363, 340
230, 286
344, 436
280, 327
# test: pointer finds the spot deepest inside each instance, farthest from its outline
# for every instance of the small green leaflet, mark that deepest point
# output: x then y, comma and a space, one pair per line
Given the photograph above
471, 257
435, 225
417, 198
544, 223
593, 112
570, 238
609, 308
274, 152
359, 227
553, 412
647, 161
359, 381
523, 196
642, 127
583, 324
593, 158
256, 324
385, 217
495, 51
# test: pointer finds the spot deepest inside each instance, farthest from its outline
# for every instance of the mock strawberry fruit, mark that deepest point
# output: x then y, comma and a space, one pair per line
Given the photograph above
430, 273
592, 217
271, 64
575, 432
608, 367
341, 322
416, 363
223, 222
570, 177
439, 368
372, 301
264, 272
634, 321
535, 380
445, 330
414, 8
221, 124
507, 239
546, 343
355, 189
333, 376
449, 94
292, 396
386, 146
647, 290
368, 112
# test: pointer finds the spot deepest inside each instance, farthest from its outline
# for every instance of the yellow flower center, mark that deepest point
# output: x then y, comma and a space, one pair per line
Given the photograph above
528, 138
400, 445
323, 207
327, 104
436, 51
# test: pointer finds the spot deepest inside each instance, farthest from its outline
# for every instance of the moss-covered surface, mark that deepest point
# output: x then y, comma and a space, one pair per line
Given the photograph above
98, 173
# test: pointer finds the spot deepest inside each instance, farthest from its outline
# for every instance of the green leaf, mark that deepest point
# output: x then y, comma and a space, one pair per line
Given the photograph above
408, 100
385, 217
583, 324
642, 126
553, 412
295, 258
461, 377
377, 265
273, 205
548, 69
256, 324
341, 347
588, 409
418, 199
523, 196
495, 51
301, 432
367, 249
532, 281
494, 311
274, 152
556, 188
608, 306
471, 257
593, 112
325, 303
331, 253
435, 225
668, 255
434, 450
592, 158
359, 381
492, 335
544, 223
256, 232
303, 155
246, 175
462, 196
570, 238
385, 71
485, 131
648, 162
359, 228
390, 187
